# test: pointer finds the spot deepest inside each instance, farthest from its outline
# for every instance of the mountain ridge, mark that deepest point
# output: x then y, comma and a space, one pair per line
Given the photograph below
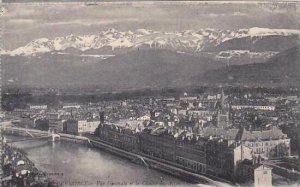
137, 69
281, 69
188, 40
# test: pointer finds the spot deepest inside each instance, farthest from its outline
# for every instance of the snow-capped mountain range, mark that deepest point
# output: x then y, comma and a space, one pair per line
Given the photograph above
188, 40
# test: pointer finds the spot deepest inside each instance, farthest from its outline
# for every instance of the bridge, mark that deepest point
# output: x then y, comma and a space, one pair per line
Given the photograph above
32, 134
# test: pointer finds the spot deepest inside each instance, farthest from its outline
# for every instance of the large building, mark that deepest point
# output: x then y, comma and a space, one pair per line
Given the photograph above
87, 126
38, 107
256, 107
54, 121
255, 104
78, 127
272, 143
71, 106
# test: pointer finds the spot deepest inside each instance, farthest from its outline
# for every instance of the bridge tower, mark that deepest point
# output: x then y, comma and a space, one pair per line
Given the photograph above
55, 136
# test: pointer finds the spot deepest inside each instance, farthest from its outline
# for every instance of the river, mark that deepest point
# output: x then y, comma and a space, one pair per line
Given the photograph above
77, 165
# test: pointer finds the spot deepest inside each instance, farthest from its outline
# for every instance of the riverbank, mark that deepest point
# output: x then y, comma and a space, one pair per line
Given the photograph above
162, 166
18, 170
142, 160
154, 163
77, 164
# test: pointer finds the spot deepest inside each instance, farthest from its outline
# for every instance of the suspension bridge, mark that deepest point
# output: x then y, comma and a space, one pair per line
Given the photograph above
30, 134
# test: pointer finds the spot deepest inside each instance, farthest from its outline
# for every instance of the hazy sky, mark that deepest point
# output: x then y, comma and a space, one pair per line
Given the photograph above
25, 22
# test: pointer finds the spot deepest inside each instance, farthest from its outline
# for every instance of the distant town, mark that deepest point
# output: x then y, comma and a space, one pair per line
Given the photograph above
248, 138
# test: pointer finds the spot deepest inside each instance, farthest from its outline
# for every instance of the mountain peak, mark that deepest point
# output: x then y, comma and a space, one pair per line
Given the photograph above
187, 40
111, 30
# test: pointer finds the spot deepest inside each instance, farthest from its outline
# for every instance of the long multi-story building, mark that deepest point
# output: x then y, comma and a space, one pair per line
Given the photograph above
184, 149
256, 104
256, 107
38, 107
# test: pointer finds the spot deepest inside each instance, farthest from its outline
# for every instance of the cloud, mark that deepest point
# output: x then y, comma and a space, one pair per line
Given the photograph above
34, 25
90, 22
278, 8
12, 11
21, 21
227, 14
27, 21
239, 14
214, 15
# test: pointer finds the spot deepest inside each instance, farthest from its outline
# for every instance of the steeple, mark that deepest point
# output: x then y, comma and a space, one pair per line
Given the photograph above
220, 103
222, 113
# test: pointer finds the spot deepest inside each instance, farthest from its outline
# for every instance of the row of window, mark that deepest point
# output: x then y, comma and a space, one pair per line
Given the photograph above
257, 144
196, 166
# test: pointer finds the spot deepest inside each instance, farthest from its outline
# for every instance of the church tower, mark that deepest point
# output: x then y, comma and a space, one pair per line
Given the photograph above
222, 112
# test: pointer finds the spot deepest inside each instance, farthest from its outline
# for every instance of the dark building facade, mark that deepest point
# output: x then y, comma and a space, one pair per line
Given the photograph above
42, 124
186, 151
183, 149
220, 159
71, 126
120, 137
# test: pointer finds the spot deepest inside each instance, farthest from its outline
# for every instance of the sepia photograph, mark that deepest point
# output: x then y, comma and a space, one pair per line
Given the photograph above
149, 93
